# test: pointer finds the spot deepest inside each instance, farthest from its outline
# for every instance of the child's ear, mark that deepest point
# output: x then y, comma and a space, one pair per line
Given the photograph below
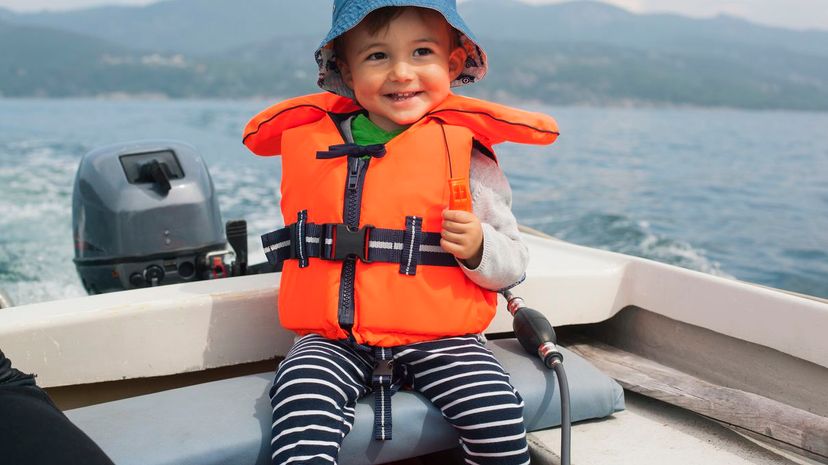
457, 62
345, 71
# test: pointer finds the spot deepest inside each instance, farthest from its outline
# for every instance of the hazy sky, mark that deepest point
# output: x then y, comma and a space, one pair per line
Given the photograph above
799, 14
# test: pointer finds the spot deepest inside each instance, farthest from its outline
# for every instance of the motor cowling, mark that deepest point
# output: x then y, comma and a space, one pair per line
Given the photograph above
145, 213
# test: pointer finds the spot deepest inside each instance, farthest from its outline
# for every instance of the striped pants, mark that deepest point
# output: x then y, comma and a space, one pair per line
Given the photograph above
317, 385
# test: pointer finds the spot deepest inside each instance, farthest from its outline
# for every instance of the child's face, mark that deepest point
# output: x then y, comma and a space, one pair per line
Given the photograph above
403, 71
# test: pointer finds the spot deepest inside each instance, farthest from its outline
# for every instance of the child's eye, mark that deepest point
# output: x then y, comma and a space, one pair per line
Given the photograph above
376, 56
422, 51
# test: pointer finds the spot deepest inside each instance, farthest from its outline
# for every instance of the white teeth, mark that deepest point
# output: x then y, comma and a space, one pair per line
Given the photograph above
402, 96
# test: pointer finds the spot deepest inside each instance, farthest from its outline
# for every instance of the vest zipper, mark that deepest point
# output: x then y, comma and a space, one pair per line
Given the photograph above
353, 199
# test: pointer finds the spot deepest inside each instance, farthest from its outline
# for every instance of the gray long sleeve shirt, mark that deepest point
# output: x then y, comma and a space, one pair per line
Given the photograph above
505, 256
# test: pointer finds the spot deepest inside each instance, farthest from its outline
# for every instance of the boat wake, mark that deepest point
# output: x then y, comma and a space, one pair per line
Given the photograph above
36, 242
622, 234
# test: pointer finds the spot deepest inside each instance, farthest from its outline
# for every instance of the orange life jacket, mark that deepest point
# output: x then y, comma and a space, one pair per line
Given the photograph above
379, 303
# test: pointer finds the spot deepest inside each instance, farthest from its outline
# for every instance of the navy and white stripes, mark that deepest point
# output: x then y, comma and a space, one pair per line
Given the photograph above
317, 386
313, 398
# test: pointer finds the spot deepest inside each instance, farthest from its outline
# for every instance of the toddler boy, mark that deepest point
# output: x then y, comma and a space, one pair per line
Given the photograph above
400, 233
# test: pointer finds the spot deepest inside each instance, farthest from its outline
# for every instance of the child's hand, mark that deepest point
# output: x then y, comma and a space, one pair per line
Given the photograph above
462, 236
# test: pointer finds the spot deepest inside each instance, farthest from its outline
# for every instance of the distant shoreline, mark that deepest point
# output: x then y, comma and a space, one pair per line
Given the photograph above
626, 104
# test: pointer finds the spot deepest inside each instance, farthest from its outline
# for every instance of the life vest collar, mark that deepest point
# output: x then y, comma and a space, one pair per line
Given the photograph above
490, 122
493, 123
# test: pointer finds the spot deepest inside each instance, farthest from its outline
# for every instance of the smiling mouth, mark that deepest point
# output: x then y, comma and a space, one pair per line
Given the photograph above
402, 96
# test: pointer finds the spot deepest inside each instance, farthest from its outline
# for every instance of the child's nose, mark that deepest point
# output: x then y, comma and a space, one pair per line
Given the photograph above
401, 71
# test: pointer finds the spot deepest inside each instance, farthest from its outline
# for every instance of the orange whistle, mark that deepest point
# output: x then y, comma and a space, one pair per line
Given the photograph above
459, 195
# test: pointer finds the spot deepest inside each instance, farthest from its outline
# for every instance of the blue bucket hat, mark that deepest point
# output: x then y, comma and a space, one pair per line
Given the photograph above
348, 13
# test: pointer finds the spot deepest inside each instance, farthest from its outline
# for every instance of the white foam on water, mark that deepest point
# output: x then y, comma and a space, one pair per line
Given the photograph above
619, 233
668, 250
678, 253
243, 193
36, 244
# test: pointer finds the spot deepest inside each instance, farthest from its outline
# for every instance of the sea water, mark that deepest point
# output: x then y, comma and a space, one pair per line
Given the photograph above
741, 194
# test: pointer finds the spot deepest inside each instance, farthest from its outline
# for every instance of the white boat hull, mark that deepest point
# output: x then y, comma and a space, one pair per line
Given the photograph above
196, 326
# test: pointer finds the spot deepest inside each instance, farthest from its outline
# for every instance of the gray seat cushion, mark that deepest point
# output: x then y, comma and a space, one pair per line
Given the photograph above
228, 421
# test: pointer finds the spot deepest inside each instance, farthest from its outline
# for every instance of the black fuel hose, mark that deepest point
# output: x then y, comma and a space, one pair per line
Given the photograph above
536, 335
566, 422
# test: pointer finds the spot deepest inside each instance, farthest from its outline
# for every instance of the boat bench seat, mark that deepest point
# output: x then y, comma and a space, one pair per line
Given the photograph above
228, 421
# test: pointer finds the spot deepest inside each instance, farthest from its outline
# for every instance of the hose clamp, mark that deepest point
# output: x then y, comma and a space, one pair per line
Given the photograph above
514, 304
548, 351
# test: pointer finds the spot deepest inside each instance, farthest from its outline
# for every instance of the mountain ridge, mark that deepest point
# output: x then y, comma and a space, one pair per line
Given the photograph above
185, 27
576, 52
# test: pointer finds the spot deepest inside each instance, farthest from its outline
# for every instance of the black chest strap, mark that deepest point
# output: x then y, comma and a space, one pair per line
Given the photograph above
336, 241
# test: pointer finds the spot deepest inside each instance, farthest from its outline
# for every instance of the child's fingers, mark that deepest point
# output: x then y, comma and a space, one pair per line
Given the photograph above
456, 238
458, 221
451, 248
458, 216
452, 226
461, 235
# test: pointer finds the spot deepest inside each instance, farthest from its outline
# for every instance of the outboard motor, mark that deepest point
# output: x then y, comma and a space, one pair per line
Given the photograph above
145, 214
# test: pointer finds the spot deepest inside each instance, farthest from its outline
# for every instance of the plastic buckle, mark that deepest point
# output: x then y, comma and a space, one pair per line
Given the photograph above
383, 368
348, 242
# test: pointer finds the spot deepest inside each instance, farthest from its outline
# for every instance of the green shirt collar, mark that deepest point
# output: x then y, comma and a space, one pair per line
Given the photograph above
365, 132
